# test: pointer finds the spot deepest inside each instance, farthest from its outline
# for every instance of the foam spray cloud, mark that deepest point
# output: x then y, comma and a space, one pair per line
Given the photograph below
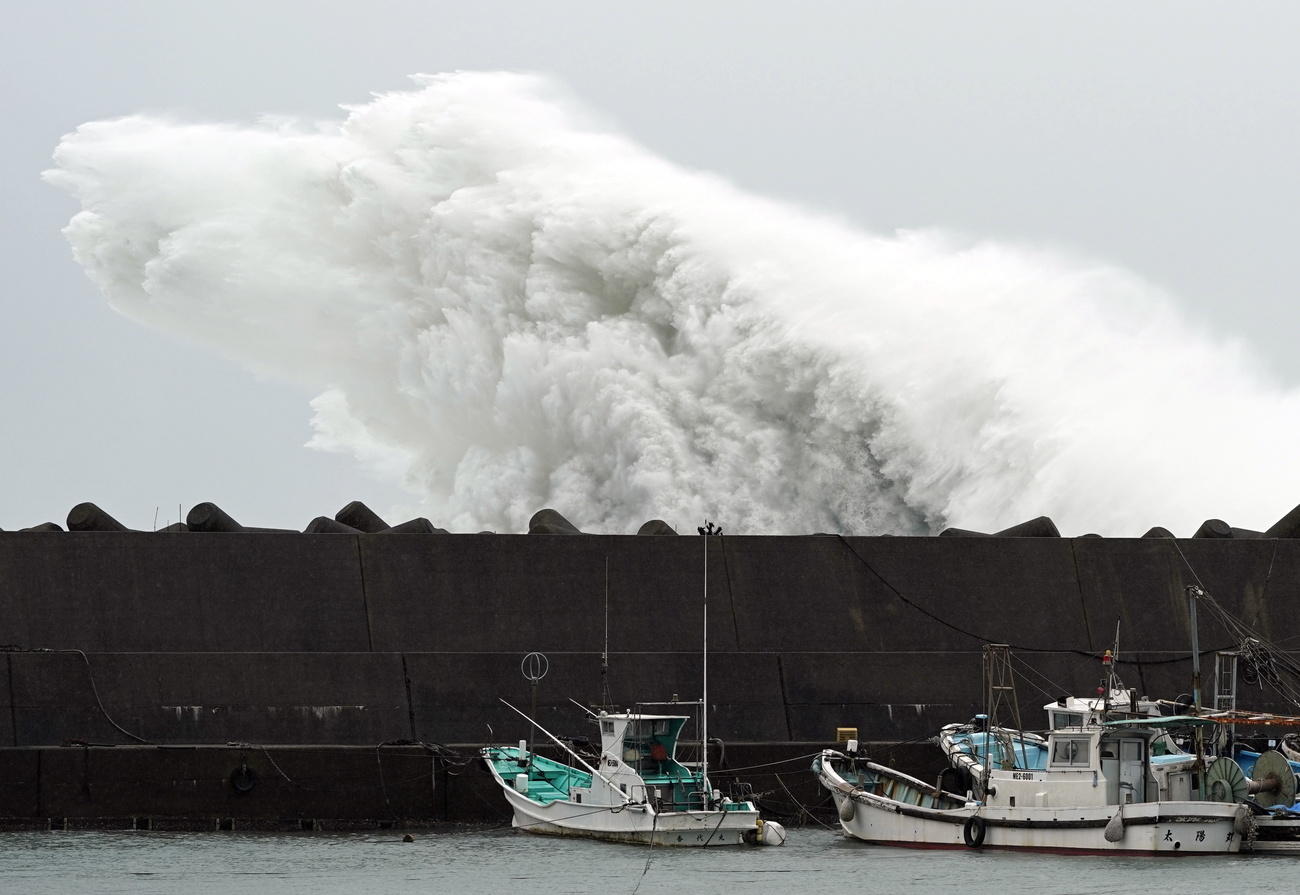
511, 308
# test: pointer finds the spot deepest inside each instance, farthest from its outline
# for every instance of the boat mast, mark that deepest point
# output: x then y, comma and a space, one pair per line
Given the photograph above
1193, 592
707, 530
704, 708
604, 656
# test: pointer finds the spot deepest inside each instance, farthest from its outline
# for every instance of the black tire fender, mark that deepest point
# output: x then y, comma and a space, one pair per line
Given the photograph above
974, 831
243, 779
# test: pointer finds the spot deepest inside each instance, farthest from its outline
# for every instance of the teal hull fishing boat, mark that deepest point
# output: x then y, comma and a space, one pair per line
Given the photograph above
635, 791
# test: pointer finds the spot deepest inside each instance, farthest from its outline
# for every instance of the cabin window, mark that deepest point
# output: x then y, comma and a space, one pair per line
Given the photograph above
1066, 719
607, 728
1070, 752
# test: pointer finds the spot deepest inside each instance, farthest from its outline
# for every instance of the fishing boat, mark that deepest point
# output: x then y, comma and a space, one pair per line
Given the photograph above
1089, 786
1094, 791
635, 791
1215, 770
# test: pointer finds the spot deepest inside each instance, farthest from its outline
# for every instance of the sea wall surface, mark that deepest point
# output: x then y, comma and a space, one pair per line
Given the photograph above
354, 640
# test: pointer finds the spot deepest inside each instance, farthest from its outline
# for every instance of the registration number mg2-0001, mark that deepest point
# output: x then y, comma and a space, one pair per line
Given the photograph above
1022, 775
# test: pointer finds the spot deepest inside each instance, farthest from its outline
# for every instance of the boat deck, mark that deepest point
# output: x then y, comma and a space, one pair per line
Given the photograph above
548, 780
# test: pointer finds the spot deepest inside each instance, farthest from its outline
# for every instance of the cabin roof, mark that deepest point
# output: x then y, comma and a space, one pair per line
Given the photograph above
1167, 721
639, 716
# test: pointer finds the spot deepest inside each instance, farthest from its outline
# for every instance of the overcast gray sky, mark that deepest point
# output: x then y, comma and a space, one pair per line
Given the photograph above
1162, 137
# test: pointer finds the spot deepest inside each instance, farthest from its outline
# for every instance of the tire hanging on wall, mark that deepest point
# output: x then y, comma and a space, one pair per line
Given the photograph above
974, 831
243, 779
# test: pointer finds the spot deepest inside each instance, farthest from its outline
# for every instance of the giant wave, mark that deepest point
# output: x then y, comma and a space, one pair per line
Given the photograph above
506, 306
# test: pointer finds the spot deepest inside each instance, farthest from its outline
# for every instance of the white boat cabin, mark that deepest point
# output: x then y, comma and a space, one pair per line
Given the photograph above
1071, 711
638, 756
1117, 763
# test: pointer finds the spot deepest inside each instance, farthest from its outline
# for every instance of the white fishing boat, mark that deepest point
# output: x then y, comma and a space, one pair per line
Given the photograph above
635, 791
1090, 786
1083, 790
1264, 782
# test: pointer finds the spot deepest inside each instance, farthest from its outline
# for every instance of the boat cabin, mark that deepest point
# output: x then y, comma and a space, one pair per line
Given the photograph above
1074, 766
644, 742
638, 755
1118, 762
1071, 711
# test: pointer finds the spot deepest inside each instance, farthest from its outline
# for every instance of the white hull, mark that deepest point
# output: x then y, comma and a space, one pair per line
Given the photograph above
1152, 828
636, 823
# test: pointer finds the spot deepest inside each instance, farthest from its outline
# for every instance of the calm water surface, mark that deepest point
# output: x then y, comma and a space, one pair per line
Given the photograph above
814, 861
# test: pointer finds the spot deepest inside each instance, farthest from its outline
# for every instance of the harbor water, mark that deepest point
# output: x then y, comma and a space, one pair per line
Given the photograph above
500, 860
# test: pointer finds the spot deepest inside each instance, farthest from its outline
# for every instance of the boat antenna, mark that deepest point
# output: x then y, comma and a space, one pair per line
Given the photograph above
534, 667
604, 656
1194, 592
708, 530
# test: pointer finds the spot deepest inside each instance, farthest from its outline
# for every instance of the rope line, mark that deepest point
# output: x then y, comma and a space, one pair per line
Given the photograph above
802, 807
730, 772
983, 639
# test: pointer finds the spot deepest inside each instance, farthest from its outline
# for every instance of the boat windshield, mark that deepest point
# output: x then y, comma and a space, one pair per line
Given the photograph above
1070, 752
1065, 719
1006, 751
652, 737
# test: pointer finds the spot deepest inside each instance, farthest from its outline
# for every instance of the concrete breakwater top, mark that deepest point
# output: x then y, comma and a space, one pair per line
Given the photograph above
357, 518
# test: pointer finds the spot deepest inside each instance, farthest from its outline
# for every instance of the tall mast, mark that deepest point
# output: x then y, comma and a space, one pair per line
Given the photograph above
1192, 593
704, 708
604, 656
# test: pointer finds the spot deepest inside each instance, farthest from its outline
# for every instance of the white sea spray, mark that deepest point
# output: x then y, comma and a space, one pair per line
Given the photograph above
508, 307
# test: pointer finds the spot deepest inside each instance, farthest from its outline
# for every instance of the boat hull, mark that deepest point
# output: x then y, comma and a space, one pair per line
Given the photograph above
637, 823
634, 823
1161, 828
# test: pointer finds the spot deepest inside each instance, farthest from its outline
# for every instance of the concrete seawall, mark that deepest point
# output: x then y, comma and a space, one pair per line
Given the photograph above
341, 642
